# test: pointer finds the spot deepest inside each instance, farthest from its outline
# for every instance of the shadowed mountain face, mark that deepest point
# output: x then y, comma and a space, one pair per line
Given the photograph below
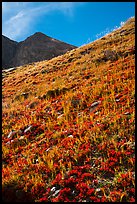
35, 48
8, 51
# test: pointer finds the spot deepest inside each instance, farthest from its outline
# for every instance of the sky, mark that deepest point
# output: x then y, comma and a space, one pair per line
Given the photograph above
76, 23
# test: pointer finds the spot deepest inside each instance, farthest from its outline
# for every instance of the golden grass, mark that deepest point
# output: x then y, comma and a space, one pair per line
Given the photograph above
55, 99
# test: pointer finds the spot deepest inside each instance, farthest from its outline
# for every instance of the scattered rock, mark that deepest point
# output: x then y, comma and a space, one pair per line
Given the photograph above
94, 105
11, 134
56, 192
110, 55
60, 116
71, 136
9, 142
28, 129
48, 149
98, 189
53, 189
127, 113
96, 113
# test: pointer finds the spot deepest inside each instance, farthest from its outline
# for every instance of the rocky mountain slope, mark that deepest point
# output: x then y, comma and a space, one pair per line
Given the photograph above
68, 125
8, 51
35, 48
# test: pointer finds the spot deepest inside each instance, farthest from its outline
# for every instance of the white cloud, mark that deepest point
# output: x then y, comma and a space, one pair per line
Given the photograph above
102, 33
16, 26
18, 18
122, 23
108, 30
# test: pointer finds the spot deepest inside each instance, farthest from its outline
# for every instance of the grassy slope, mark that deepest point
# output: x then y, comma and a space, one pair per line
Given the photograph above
73, 150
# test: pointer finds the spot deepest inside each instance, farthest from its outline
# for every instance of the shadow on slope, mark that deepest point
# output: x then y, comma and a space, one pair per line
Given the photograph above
11, 192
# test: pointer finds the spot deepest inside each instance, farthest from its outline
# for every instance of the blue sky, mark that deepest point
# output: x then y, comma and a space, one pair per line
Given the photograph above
76, 23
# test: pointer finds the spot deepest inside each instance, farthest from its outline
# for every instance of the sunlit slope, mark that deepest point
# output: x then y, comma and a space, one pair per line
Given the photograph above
68, 124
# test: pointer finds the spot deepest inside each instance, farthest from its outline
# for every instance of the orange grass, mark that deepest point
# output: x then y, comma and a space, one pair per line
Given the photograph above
63, 148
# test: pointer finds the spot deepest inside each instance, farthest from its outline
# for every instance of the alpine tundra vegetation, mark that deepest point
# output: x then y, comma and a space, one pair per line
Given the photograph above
68, 124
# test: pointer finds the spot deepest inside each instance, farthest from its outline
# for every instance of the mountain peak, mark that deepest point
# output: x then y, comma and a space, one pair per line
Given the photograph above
37, 47
39, 34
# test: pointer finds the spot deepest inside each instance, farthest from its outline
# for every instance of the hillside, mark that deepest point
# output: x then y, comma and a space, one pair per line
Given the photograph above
35, 48
68, 124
